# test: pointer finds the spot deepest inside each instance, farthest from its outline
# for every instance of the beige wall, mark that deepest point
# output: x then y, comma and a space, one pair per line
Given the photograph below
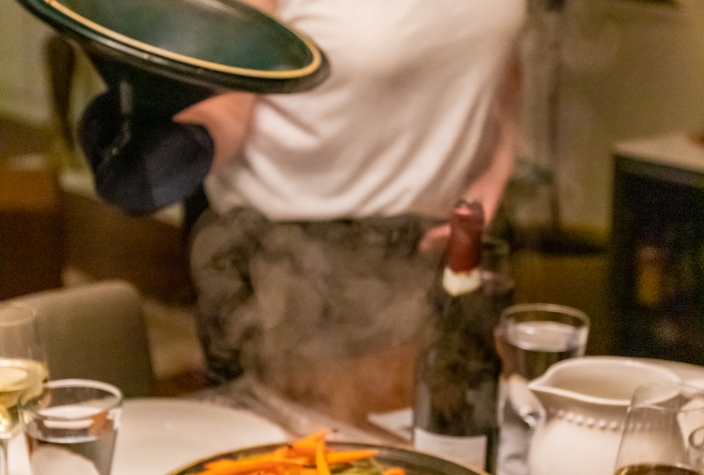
23, 91
24, 82
630, 69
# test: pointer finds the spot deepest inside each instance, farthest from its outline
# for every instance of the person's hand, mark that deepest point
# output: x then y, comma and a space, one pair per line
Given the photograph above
267, 6
435, 239
227, 117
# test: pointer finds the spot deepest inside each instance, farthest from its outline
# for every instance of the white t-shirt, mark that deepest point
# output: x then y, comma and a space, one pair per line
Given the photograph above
398, 124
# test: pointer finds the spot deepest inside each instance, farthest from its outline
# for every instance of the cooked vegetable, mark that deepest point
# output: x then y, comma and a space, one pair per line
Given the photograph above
394, 471
307, 456
320, 461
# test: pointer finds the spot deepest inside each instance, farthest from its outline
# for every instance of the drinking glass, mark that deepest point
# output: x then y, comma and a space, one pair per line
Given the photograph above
529, 339
534, 336
71, 427
662, 421
497, 284
22, 369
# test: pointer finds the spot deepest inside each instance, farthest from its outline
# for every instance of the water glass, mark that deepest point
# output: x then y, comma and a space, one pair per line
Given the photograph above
529, 339
71, 427
534, 336
663, 431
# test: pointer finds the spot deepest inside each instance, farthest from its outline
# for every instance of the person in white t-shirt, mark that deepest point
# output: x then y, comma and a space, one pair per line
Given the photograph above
326, 208
325, 205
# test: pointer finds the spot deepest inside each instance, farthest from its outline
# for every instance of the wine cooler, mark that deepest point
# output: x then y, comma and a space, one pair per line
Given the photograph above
657, 261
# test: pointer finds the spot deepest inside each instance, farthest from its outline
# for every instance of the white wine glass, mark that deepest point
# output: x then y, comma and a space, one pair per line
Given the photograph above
660, 435
22, 369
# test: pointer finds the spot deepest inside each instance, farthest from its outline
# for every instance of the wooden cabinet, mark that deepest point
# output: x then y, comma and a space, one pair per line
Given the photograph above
24, 77
657, 264
31, 232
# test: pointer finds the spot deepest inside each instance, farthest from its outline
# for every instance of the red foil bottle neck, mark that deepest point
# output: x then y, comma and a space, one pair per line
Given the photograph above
464, 246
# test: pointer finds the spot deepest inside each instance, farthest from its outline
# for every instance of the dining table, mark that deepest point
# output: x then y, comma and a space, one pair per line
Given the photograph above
389, 427
160, 436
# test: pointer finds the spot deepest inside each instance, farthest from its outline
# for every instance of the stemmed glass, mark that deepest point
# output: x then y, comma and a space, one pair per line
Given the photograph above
662, 432
22, 369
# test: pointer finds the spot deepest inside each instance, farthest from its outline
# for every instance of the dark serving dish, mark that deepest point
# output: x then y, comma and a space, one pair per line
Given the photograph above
186, 49
414, 463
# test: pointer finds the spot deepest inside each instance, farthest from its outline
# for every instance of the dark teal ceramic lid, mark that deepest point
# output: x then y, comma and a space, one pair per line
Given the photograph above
209, 43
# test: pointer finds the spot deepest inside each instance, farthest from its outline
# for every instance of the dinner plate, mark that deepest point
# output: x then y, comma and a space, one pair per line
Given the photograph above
157, 436
412, 461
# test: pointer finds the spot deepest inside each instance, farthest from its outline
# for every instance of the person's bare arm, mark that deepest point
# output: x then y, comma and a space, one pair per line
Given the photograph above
227, 116
488, 188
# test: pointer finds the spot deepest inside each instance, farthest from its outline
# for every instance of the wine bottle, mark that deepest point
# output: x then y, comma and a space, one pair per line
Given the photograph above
455, 414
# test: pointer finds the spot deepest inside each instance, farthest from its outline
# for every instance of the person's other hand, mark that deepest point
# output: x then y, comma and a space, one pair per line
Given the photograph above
268, 6
435, 239
227, 117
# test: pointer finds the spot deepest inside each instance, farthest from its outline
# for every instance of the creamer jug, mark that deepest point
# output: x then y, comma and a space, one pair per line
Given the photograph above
585, 401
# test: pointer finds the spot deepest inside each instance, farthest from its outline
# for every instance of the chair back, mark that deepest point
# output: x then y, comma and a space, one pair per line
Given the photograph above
95, 331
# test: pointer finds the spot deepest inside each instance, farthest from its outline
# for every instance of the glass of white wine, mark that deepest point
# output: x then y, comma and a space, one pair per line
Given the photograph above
660, 429
22, 369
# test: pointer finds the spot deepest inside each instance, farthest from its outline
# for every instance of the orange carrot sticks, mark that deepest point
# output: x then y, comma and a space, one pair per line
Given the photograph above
246, 466
320, 462
307, 445
349, 456
306, 456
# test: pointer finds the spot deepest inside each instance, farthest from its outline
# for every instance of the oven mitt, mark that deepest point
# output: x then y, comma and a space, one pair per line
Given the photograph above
142, 163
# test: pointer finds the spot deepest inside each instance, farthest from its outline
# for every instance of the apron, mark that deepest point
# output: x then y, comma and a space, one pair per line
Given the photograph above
276, 296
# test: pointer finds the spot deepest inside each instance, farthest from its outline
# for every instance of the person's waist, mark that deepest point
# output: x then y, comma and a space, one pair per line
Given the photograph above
395, 230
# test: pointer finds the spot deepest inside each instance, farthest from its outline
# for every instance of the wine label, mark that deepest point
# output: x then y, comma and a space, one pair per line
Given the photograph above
467, 451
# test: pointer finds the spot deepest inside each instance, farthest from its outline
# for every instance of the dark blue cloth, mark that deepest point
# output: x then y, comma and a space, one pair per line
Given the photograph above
142, 164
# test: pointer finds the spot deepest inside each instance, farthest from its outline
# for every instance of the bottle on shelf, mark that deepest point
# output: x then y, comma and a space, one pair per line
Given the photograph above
455, 407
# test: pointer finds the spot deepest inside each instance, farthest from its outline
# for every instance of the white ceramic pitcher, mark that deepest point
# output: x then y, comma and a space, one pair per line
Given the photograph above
585, 401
